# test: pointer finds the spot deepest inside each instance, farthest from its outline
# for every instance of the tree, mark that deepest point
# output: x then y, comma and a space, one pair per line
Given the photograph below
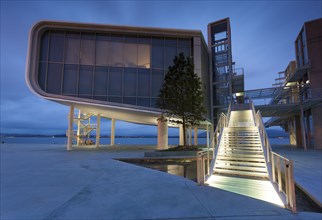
181, 95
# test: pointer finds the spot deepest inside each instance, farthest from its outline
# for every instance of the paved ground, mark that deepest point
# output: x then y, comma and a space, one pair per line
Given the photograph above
46, 182
307, 169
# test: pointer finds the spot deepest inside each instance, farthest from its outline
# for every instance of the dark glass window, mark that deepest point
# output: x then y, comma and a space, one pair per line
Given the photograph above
72, 48
129, 81
154, 102
54, 78
157, 56
100, 83
116, 51
87, 50
56, 51
170, 53
116, 99
70, 80
185, 51
144, 40
115, 82
44, 46
130, 55
117, 37
144, 56
157, 82
85, 82
102, 52
184, 46
144, 83
131, 39
42, 75
129, 100
143, 102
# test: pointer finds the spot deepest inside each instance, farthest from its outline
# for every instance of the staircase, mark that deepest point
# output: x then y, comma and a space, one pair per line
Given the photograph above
240, 153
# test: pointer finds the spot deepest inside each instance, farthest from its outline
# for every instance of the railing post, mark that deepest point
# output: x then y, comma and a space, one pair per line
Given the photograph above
287, 190
273, 167
292, 187
279, 177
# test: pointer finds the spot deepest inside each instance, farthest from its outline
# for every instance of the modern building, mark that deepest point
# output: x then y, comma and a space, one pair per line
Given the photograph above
296, 102
116, 72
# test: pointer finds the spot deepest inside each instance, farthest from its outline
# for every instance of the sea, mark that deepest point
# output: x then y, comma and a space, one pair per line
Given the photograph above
118, 140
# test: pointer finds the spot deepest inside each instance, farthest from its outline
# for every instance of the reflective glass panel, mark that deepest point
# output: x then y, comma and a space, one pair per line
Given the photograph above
115, 82
129, 100
130, 55
116, 54
143, 102
102, 52
144, 56
70, 80
157, 56
129, 81
72, 48
42, 75
170, 53
100, 83
54, 78
144, 82
85, 82
44, 46
157, 82
87, 50
116, 99
56, 50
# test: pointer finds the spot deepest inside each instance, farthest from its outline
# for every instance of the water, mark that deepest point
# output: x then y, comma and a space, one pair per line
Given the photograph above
103, 141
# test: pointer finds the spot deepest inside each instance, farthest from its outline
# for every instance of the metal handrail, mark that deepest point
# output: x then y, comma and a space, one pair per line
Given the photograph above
286, 188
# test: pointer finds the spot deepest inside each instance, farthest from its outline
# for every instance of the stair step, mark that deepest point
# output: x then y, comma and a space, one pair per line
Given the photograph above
248, 159
259, 149
249, 164
239, 145
238, 155
241, 173
242, 168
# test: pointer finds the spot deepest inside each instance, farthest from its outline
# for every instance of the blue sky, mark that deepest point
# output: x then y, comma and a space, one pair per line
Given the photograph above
263, 35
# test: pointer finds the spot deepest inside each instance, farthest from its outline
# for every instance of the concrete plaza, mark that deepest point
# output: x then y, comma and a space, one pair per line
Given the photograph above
47, 182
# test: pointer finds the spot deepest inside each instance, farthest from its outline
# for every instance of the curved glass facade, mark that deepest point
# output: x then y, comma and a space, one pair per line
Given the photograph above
118, 68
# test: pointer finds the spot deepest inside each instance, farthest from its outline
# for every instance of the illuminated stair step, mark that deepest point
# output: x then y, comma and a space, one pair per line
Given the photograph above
258, 149
223, 158
241, 173
253, 169
249, 164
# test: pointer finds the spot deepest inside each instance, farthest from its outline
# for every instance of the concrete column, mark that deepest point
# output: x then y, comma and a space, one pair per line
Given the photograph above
181, 135
112, 131
70, 132
303, 128
78, 127
98, 130
190, 136
162, 134
195, 138
207, 132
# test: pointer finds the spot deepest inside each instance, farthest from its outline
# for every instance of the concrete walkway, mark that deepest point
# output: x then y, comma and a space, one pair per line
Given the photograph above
47, 182
307, 169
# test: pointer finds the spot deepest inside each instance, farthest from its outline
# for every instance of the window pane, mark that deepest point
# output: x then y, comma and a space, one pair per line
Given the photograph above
157, 56
42, 75
145, 40
154, 103
117, 37
129, 82
130, 55
100, 83
44, 46
144, 56
102, 52
115, 82
85, 82
116, 99
157, 82
56, 50
185, 51
131, 38
143, 102
116, 51
72, 49
129, 100
54, 78
70, 80
144, 83
184, 42
87, 49
170, 53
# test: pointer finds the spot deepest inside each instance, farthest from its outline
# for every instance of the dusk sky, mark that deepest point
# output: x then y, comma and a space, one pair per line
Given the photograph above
263, 35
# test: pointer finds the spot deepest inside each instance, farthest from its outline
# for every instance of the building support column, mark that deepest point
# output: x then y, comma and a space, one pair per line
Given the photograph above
181, 135
98, 129
70, 132
207, 132
303, 128
190, 136
112, 136
162, 134
78, 127
195, 138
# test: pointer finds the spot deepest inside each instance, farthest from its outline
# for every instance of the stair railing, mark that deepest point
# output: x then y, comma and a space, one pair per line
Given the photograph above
280, 169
